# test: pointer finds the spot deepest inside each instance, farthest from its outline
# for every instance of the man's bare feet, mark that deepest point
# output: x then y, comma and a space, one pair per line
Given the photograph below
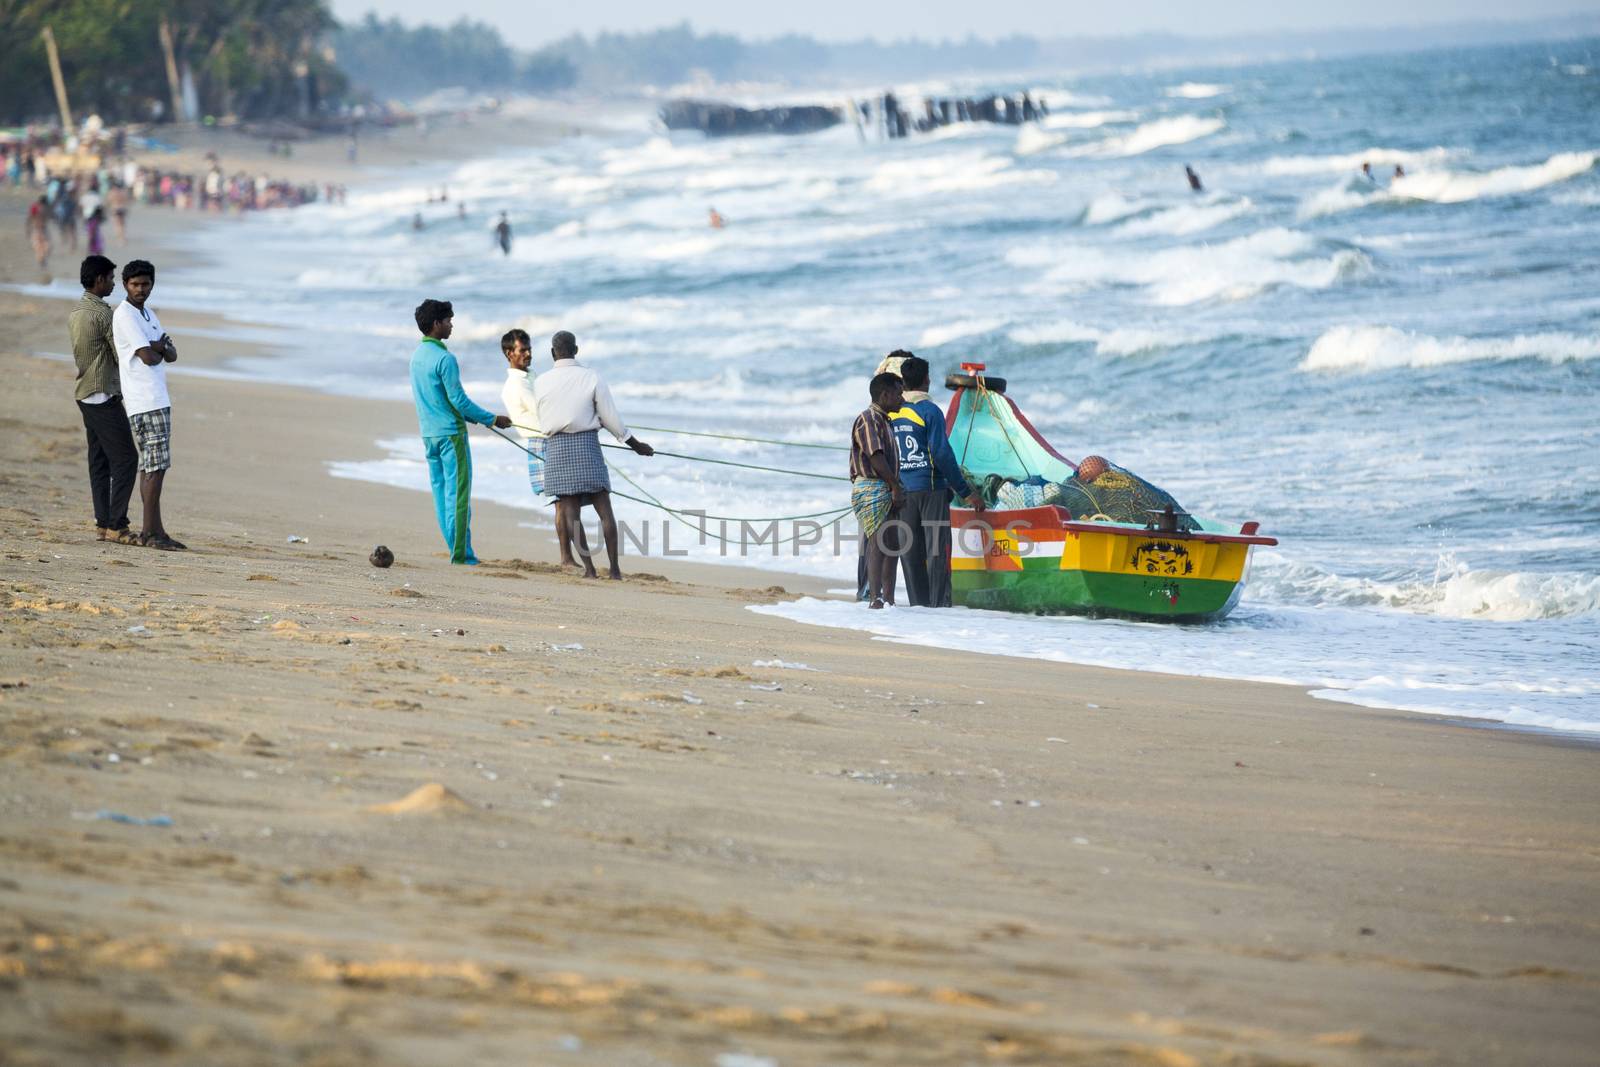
615, 576
876, 605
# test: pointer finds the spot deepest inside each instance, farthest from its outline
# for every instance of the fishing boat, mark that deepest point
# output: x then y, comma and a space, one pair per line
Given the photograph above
1045, 560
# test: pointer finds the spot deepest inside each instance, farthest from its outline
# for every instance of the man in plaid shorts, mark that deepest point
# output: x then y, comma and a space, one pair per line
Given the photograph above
143, 350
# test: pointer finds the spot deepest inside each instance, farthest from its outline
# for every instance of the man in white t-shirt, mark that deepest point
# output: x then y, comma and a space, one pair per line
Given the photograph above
143, 350
90, 200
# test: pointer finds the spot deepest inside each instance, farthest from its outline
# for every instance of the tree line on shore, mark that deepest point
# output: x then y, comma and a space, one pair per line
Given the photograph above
244, 57
256, 59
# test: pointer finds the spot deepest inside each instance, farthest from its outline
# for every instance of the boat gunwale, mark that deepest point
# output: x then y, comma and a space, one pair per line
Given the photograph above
969, 518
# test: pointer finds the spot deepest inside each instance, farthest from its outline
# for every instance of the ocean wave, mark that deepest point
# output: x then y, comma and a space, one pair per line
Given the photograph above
1197, 91
388, 272
1461, 593
1031, 140
1058, 98
1346, 196
1184, 219
1232, 270
1086, 120
1121, 341
952, 172
934, 336
1109, 207
1159, 133
1380, 158
1373, 348
1448, 187
1430, 665
1578, 198
838, 402
1148, 216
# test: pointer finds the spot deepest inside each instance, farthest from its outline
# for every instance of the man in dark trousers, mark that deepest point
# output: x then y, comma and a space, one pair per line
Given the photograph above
113, 459
928, 471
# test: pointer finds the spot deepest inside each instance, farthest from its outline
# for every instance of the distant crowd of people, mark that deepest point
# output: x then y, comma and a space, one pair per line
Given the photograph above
88, 202
894, 121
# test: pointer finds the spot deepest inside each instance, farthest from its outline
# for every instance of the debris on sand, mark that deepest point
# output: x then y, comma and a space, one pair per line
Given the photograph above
424, 800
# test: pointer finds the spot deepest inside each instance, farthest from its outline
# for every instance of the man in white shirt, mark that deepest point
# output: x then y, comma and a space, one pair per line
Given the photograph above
522, 404
573, 404
90, 200
143, 350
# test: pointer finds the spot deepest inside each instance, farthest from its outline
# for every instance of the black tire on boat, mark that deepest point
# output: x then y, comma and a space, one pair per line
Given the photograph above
967, 381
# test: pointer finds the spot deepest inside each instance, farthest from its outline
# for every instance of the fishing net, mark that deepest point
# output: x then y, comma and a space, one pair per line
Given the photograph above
1012, 468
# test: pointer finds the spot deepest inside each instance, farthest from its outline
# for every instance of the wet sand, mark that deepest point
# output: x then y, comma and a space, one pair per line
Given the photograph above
503, 815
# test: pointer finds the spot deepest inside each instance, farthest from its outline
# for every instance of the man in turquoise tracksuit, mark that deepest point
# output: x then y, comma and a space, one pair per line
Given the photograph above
443, 411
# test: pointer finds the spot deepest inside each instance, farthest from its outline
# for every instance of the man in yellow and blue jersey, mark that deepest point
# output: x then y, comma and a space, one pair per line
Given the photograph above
929, 472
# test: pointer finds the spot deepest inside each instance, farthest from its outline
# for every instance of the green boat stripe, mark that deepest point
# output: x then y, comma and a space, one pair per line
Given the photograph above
458, 546
1043, 590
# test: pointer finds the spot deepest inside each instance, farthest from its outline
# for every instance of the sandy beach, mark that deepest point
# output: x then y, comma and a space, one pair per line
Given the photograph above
504, 815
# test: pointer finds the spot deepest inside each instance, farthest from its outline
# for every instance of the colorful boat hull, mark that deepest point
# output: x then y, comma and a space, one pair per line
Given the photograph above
1039, 561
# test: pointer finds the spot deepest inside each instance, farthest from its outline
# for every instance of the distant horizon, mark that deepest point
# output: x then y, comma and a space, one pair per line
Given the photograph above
512, 24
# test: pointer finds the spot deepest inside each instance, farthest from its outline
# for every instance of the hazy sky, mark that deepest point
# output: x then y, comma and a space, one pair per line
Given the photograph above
529, 24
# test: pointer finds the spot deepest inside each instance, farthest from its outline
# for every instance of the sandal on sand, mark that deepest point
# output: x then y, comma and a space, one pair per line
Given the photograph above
161, 544
123, 536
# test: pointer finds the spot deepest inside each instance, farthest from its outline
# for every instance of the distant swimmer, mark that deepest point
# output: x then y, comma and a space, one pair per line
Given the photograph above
502, 234
1399, 171
716, 220
1366, 170
1194, 179
416, 221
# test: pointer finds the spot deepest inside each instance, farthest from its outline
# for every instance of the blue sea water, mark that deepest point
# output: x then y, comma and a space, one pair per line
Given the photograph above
1397, 377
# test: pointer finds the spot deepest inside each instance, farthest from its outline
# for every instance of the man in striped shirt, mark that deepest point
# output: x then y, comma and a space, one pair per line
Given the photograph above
875, 490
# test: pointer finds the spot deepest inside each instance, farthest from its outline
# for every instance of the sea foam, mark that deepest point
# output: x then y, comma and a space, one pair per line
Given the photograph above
1160, 133
1434, 666
1382, 159
1196, 91
1119, 341
1086, 120
1455, 591
1183, 219
1232, 270
1448, 187
1374, 348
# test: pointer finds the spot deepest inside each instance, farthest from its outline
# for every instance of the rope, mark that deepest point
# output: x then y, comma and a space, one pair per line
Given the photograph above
655, 502
720, 462
737, 437
701, 529
732, 463
988, 397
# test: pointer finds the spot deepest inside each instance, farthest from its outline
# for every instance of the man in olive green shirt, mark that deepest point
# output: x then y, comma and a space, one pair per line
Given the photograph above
113, 459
